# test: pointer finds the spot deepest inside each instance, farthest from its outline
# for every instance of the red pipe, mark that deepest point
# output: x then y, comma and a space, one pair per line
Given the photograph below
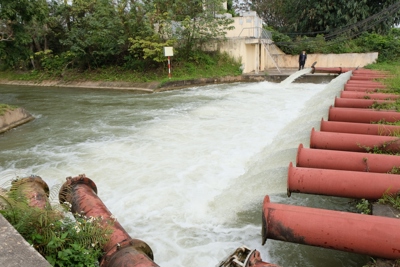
358, 103
33, 189
369, 77
339, 70
366, 84
367, 71
362, 115
121, 249
361, 89
364, 95
350, 184
359, 128
358, 233
353, 142
345, 160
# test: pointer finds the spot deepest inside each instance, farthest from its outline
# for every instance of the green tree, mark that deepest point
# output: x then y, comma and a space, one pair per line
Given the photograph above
96, 34
325, 16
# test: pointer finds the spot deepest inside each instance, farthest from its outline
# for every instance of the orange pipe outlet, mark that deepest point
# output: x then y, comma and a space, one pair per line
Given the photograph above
345, 160
34, 189
121, 250
353, 142
358, 233
362, 115
359, 128
350, 184
358, 103
364, 95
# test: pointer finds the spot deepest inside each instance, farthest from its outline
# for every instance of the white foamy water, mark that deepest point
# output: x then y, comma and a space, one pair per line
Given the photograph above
189, 175
295, 75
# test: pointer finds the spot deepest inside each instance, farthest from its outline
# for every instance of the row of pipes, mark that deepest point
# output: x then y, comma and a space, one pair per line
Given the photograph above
81, 193
338, 164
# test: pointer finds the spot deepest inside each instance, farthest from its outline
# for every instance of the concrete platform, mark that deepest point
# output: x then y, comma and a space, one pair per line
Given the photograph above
15, 251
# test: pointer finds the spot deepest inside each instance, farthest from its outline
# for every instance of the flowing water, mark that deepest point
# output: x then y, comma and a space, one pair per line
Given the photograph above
295, 75
187, 170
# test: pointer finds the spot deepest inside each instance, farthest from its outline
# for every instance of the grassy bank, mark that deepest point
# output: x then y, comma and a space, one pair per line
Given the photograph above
219, 65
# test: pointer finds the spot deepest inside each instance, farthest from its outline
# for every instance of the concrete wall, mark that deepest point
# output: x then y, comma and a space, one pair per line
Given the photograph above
349, 60
248, 25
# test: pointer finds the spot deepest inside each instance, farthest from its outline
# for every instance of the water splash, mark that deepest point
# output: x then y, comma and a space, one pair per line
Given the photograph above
295, 75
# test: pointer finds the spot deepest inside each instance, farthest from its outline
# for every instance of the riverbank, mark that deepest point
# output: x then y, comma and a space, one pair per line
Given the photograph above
155, 86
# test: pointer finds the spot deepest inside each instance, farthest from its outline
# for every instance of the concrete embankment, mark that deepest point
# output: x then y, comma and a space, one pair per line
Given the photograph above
13, 118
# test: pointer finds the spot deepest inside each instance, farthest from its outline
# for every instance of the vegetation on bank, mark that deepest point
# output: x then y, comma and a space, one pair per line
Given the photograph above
206, 65
5, 107
61, 239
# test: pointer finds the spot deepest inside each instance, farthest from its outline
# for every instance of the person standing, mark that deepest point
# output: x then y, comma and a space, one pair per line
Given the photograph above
302, 59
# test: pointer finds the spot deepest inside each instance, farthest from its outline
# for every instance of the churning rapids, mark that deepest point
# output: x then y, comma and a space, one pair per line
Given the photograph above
185, 171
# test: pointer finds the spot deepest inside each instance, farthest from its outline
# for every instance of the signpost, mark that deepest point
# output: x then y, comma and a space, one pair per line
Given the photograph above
168, 52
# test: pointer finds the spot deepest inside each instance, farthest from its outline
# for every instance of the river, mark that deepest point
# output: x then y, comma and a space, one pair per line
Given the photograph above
185, 171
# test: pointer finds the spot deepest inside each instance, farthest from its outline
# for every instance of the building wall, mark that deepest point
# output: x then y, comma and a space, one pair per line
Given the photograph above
243, 43
348, 60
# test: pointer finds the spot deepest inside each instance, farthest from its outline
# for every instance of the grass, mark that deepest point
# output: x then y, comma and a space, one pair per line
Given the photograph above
392, 83
219, 65
5, 107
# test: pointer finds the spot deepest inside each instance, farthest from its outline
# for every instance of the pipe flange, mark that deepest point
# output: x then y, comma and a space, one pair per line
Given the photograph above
65, 190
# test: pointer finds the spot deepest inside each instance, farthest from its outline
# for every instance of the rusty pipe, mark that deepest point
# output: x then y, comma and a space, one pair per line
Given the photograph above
336, 70
348, 87
358, 233
33, 189
353, 142
358, 103
345, 160
365, 95
359, 128
369, 77
365, 82
340, 183
121, 249
362, 115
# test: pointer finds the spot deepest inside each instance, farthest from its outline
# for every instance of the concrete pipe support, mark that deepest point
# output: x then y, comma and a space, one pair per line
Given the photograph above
358, 233
121, 249
362, 115
349, 184
359, 128
354, 142
344, 160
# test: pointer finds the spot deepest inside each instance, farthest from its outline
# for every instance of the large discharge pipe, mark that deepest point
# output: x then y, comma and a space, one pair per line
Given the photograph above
365, 95
358, 103
362, 115
350, 87
121, 250
354, 142
33, 189
349, 184
344, 160
359, 128
358, 233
